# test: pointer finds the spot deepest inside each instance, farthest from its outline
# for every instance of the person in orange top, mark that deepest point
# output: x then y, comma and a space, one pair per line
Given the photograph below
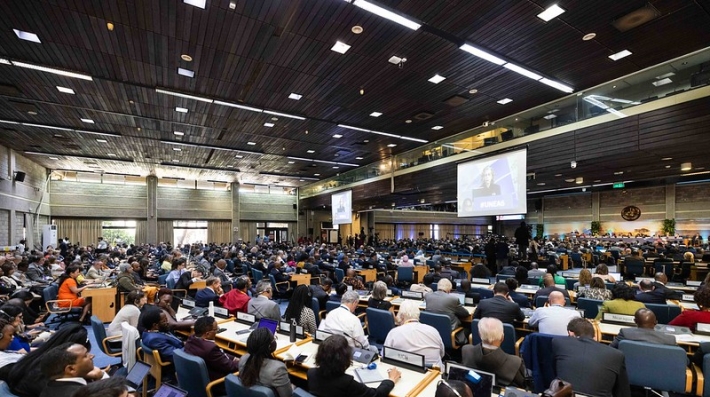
69, 290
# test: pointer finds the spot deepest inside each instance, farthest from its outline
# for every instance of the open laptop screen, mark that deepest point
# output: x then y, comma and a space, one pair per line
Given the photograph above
268, 323
482, 388
137, 374
167, 390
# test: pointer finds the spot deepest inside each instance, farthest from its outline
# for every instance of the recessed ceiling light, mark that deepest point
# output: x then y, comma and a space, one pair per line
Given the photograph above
251, 143
661, 82
482, 54
589, 36
505, 100
408, 121
32, 113
58, 136
181, 110
230, 166
196, 3
667, 158
437, 79
358, 158
112, 154
186, 72
54, 158
291, 162
295, 96
387, 14
619, 173
668, 166
392, 145
176, 161
239, 156
375, 114
558, 174
686, 167
437, 127
335, 167
232, 5
26, 36
619, 55
109, 26
316, 174
310, 151
178, 133
570, 180
101, 140
177, 149
65, 90
472, 91
90, 121
541, 184
579, 180
551, 12
268, 125
357, 29
550, 116
337, 136
366, 141
340, 47
186, 58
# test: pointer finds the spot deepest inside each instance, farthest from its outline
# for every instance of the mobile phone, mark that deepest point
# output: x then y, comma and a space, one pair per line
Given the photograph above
243, 331
301, 358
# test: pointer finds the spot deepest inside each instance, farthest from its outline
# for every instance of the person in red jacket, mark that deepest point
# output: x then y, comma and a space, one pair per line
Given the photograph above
237, 299
690, 318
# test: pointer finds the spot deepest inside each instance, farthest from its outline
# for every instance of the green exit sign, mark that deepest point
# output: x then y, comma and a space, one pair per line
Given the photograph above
619, 185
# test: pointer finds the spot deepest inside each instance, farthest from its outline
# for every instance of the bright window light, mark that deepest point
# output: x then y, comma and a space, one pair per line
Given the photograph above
551, 12
387, 14
340, 47
437, 127
27, 36
437, 79
619, 55
482, 54
504, 101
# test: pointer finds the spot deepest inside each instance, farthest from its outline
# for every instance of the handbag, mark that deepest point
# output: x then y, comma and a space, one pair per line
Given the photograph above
558, 388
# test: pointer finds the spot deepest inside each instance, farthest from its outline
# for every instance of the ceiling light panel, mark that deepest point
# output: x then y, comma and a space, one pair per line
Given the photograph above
387, 14
437, 79
26, 36
196, 3
375, 114
65, 90
178, 133
52, 70
662, 82
186, 72
89, 121
181, 110
291, 116
268, 125
482, 54
437, 127
559, 86
505, 101
295, 96
551, 12
340, 47
619, 55
520, 70
181, 95
238, 106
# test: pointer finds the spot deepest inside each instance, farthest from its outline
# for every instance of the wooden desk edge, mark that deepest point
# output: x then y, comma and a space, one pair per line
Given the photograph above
432, 374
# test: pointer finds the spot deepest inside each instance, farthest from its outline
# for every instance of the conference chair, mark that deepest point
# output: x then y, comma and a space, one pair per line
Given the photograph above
536, 351
664, 313
542, 299
658, 367
235, 388
702, 387
509, 345
49, 294
278, 293
633, 267
578, 260
315, 306
162, 279
105, 345
380, 323
484, 293
298, 392
152, 358
442, 323
192, 374
405, 276
590, 306
339, 274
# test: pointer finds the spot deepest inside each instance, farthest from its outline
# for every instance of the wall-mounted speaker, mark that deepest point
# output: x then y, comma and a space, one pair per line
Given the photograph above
294, 206
20, 176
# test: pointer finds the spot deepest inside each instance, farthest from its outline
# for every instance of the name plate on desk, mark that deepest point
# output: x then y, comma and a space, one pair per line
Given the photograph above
614, 318
221, 312
389, 292
468, 301
321, 336
285, 328
687, 297
412, 295
404, 359
481, 281
702, 329
672, 329
188, 304
529, 287
693, 283
245, 318
639, 279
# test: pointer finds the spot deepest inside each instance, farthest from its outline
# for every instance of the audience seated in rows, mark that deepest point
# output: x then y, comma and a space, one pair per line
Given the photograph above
237, 299
645, 321
413, 336
552, 319
622, 303
500, 306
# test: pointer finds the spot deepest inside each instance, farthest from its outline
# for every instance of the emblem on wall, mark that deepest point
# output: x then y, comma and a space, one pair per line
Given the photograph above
631, 213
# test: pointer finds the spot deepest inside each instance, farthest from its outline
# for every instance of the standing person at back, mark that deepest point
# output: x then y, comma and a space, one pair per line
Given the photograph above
522, 237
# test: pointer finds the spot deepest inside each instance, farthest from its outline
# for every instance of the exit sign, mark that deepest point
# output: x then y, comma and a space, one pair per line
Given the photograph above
619, 185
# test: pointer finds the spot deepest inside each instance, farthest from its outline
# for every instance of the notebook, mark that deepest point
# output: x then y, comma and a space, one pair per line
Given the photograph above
366, 375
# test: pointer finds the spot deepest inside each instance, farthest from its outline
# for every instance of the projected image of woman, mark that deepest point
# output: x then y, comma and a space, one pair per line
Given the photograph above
488, 186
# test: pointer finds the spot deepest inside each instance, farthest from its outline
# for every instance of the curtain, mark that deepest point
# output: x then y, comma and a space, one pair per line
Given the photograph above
141, 232
219, 232
79, 231
385, 230
165, 232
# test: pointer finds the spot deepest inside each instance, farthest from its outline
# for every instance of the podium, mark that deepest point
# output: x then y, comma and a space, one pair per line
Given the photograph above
103, 302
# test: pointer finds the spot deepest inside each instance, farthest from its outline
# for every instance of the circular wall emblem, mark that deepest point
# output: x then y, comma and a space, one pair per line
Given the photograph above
631, 213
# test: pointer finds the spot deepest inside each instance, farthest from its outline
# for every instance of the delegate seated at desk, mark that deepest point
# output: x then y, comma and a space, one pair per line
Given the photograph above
645, 321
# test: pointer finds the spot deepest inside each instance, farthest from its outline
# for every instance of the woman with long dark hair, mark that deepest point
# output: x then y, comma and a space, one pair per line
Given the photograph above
258, 366
69, 290
299, 308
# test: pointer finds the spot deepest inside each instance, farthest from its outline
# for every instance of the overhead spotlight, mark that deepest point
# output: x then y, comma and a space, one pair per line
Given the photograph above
686, 167
579, 180
362, 91
573, 164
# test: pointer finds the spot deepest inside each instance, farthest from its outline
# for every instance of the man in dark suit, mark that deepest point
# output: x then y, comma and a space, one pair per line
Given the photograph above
660, 285
202, 344
645, 320
500, 306
67, 367
509, 369
210, 293
157, 337
593, 368
548, 281
441, 302
520, 299
648, 294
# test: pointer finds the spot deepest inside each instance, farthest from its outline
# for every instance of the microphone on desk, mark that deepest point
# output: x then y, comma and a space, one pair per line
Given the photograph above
354, 340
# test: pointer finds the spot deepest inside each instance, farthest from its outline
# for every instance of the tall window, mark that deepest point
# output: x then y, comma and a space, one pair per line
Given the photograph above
119, 232
188, 232
434, 231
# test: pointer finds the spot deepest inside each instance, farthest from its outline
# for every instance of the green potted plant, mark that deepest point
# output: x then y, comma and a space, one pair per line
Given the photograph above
668, 227
539, 230
596, 228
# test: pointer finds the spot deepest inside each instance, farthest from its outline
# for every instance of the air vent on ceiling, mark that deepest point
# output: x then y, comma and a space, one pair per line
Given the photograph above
359, 143
636, 18
9, 90
423, 116
72, 147
24, 106
456, 100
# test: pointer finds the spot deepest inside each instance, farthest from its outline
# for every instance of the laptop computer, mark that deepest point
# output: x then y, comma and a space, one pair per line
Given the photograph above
460, 297
268, 323
481, 383
137, 374
167, 390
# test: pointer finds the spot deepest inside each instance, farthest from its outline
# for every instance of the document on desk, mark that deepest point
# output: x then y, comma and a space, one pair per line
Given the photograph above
365, 375
686, 338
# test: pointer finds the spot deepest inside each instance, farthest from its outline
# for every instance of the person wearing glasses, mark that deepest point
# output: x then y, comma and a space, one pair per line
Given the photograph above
262, 306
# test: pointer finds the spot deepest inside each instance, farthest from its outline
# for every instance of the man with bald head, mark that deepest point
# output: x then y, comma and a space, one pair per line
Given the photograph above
645, 320
554, 317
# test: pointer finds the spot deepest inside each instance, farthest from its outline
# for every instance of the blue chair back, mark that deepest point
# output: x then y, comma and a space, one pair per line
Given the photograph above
569, 283
100, 333
484, 293
664, 313
405, 274
442, 323
590, 306
330, 305
633, 267
576, 259
434, 286
706, 370
379, 323
664, 267
315, 306
430, 263
659, 367
49, 293
339, 274
236, 389
162, 279
257, 274
298, 392
191, 373
508, 345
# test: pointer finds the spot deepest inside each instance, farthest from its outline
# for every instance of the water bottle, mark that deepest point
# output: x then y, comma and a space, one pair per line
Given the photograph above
210, 309
292, 331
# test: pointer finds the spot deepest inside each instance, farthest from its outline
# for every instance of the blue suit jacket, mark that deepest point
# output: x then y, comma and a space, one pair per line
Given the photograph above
205, 296
164, 343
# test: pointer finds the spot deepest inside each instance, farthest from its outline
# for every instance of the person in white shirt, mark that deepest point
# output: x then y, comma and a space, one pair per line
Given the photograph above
342, 321
415, 337
553, 319
130, 312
